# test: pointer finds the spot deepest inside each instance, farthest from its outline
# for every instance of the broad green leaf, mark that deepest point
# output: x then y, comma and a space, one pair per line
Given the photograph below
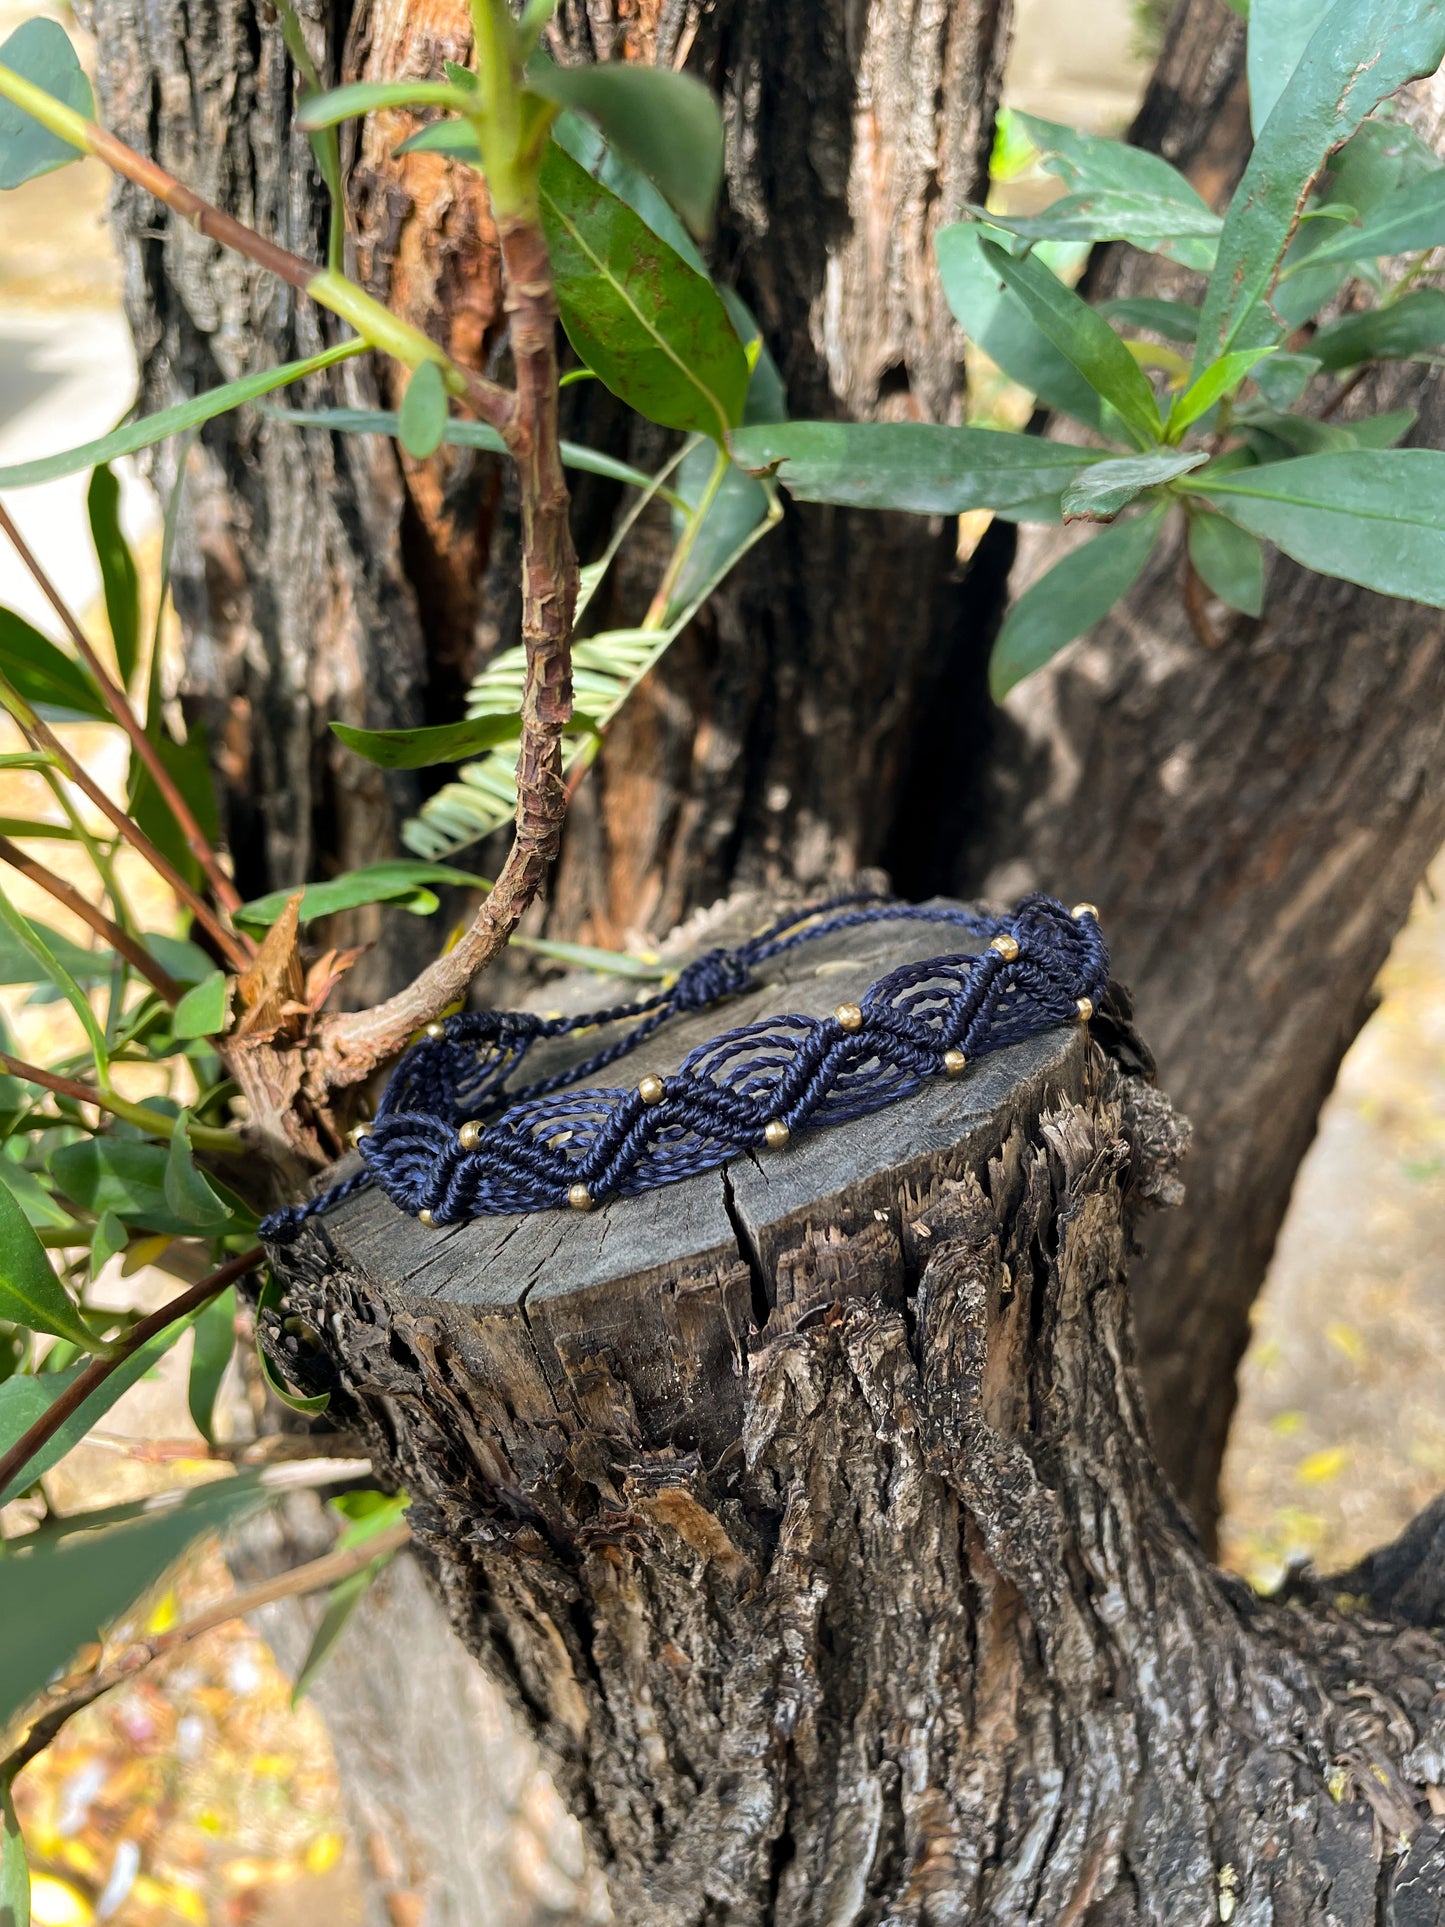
1410, 326
1229, 561
23, 1401
129, 1178
1357, 55
1283, 378
50, 968
1381, 431
1098, 493
20, 963
367, 96
30, 1293
173, 421
57, 1591
399, 880
421, 425
212, 1345
1279, 32
1413, 217
202, 1011
29, 1193
110, 1238
179, 957
1175, 320
423, 747
1122, 193
271, 1299
14, 1870
1221, 378
994, 317
44, 675
649, 326
186, 1190
1083, 338
118, 574
1372, 516
629, 183
1071, 598
921, 467
39, 51
666, 123
343, 1599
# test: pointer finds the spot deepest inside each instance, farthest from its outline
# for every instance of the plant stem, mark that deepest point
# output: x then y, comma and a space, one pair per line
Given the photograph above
119, 707
315, 1576
124, 945
205, 1137
69, 1402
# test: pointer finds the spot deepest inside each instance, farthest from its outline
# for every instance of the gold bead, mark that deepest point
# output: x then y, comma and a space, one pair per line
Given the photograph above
1084, 910
469, 1133
652, 1090
580, 1198
1006, 946
435, 1031
426, 1218
849, 1017
361, 1131
954, 1061
1085, 1008
776, 1133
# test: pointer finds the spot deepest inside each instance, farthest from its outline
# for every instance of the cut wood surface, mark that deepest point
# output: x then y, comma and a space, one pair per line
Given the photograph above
808, 1514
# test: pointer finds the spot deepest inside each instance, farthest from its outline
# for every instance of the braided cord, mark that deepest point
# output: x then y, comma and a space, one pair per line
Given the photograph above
452, 1142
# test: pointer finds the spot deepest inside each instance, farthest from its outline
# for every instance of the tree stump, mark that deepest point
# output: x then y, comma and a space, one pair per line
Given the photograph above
808, 1513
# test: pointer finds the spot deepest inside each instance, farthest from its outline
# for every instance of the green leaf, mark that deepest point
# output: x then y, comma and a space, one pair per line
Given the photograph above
343, 1599
1117, 215
186, 1190
44, 675
1097, 494
202, 1011
1279, 32
1372, 516
1283, 378
40, 52
649, 326
1220, 378
399, 880
20, 963
1083, 338
1410, 326
1229, 561
666, 123
30, 1293
272, 1298
422, 748
129, 1178
14, 1871
422, 424
214, 1341
1356, 56
118, 574
323, 141
1120, 193
1412, 218
921, 467
29, 1193
367, 96
1175, 320
993, 316
179, 957
109, 1238
189, 766
607, 963
1071, 598
605, 163
58, 1590
51, 969
173, 421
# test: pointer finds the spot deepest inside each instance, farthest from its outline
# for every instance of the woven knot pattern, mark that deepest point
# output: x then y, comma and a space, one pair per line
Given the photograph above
553, 1143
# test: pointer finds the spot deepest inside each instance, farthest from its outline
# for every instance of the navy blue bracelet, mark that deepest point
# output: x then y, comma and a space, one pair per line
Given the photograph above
450, 1142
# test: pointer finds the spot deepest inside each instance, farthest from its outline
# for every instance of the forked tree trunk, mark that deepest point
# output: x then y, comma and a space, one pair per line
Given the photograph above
808, 1511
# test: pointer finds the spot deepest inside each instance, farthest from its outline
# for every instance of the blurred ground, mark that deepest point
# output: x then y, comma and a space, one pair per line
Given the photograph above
197, 1795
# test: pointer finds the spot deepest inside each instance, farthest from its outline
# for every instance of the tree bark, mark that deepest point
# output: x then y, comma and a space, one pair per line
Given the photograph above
808, 1513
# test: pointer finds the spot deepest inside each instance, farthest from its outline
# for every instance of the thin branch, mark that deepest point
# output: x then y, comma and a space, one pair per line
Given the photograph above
119, 707
317, 1575
119, 940
69, 1402
1342, 394
203, 1136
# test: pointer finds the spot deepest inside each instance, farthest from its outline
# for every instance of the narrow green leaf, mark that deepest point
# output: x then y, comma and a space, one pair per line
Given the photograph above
20, 963
1279, 32
1356, 56
1410, 326
173, 421
323, 141
1071, 598
1122, 193
189, 767
30, 1293
422, 424
128, 1177
367, 96
422, 748
921, 467
666, 123
28, 1192
39, 51
1175, 320
399, 880
271, 1299
51, 969
1219, 379
607, 963
1412, 218
343, 1599
649, 326
119, 577
186, 1190
110, 1238
214, 1341
202, 1011
44, 675
1229, 561
1097, 494
1083, 338
1117, 215
14, 1870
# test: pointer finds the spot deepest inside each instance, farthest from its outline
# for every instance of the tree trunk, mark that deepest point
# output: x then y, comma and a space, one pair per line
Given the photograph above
808, 1512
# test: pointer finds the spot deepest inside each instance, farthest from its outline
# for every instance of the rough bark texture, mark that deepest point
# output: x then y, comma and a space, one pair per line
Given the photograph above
809, 1514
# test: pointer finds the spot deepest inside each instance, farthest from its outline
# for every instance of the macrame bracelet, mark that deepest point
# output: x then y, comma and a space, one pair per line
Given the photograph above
450, 1142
